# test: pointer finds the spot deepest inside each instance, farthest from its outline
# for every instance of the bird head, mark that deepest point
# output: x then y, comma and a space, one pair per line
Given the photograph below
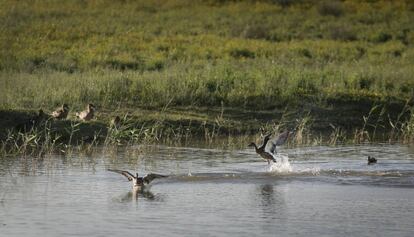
91, 107
135, 181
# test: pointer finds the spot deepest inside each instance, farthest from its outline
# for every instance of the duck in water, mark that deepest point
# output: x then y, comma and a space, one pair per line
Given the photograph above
87, 114
267, 152
371, 160
61, 112
138, 183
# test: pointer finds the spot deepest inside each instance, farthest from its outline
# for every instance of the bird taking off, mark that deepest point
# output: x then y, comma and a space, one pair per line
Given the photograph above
138, 182
268, 148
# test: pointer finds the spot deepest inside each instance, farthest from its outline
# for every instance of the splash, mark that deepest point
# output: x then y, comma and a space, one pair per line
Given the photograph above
282, 164
313, 170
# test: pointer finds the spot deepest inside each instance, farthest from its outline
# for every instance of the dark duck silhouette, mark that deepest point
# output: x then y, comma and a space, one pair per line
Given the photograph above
138, 182
268, 148
371, 160
61, 112
32, 122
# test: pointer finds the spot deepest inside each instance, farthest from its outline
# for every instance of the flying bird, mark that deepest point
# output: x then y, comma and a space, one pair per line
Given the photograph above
268, 148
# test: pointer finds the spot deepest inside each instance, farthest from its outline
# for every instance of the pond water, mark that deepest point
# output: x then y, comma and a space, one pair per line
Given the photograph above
313, 191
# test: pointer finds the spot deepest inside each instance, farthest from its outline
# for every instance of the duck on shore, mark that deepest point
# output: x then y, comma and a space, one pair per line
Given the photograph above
267, 152
61, 112
138, 183
87, 114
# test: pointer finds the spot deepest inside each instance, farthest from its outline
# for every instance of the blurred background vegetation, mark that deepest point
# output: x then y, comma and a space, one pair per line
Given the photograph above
261, 54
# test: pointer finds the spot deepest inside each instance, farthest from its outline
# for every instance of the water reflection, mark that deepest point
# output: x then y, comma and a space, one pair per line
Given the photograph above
266, 192
272, 204
134, 195
271, 200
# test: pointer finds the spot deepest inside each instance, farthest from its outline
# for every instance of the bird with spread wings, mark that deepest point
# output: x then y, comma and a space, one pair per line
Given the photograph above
268, 149
138, 182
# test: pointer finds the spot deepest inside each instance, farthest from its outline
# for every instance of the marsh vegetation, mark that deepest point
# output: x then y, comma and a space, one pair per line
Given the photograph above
336, 70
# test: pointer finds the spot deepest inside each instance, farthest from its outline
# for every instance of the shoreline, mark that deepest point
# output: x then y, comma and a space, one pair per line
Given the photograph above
338, 122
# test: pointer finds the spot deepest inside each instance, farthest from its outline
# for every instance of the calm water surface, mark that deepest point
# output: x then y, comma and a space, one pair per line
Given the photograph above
320, 191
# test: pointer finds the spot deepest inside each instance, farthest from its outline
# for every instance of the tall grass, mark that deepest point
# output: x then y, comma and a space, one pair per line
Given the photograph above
247, 55
258, 84
251, 54
46, 139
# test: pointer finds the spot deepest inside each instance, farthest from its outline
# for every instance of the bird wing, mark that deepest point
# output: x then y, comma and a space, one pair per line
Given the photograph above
279, 140
265, 141
124, 173
149, 177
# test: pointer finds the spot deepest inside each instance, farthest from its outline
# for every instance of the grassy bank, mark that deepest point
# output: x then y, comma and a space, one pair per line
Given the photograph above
224, 127
333, 60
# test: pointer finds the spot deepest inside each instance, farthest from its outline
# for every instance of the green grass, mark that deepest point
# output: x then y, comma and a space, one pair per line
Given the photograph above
245, 55
258, 84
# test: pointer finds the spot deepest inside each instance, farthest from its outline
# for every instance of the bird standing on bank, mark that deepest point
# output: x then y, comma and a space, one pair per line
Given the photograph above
87, 114
61, 112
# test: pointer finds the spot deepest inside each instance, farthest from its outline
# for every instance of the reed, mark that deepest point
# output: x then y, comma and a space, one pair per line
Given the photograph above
35, 142
66, 137
407, 129
337, 136
303, 134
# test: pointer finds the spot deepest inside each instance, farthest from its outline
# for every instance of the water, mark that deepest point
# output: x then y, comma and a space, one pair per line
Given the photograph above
317, 191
